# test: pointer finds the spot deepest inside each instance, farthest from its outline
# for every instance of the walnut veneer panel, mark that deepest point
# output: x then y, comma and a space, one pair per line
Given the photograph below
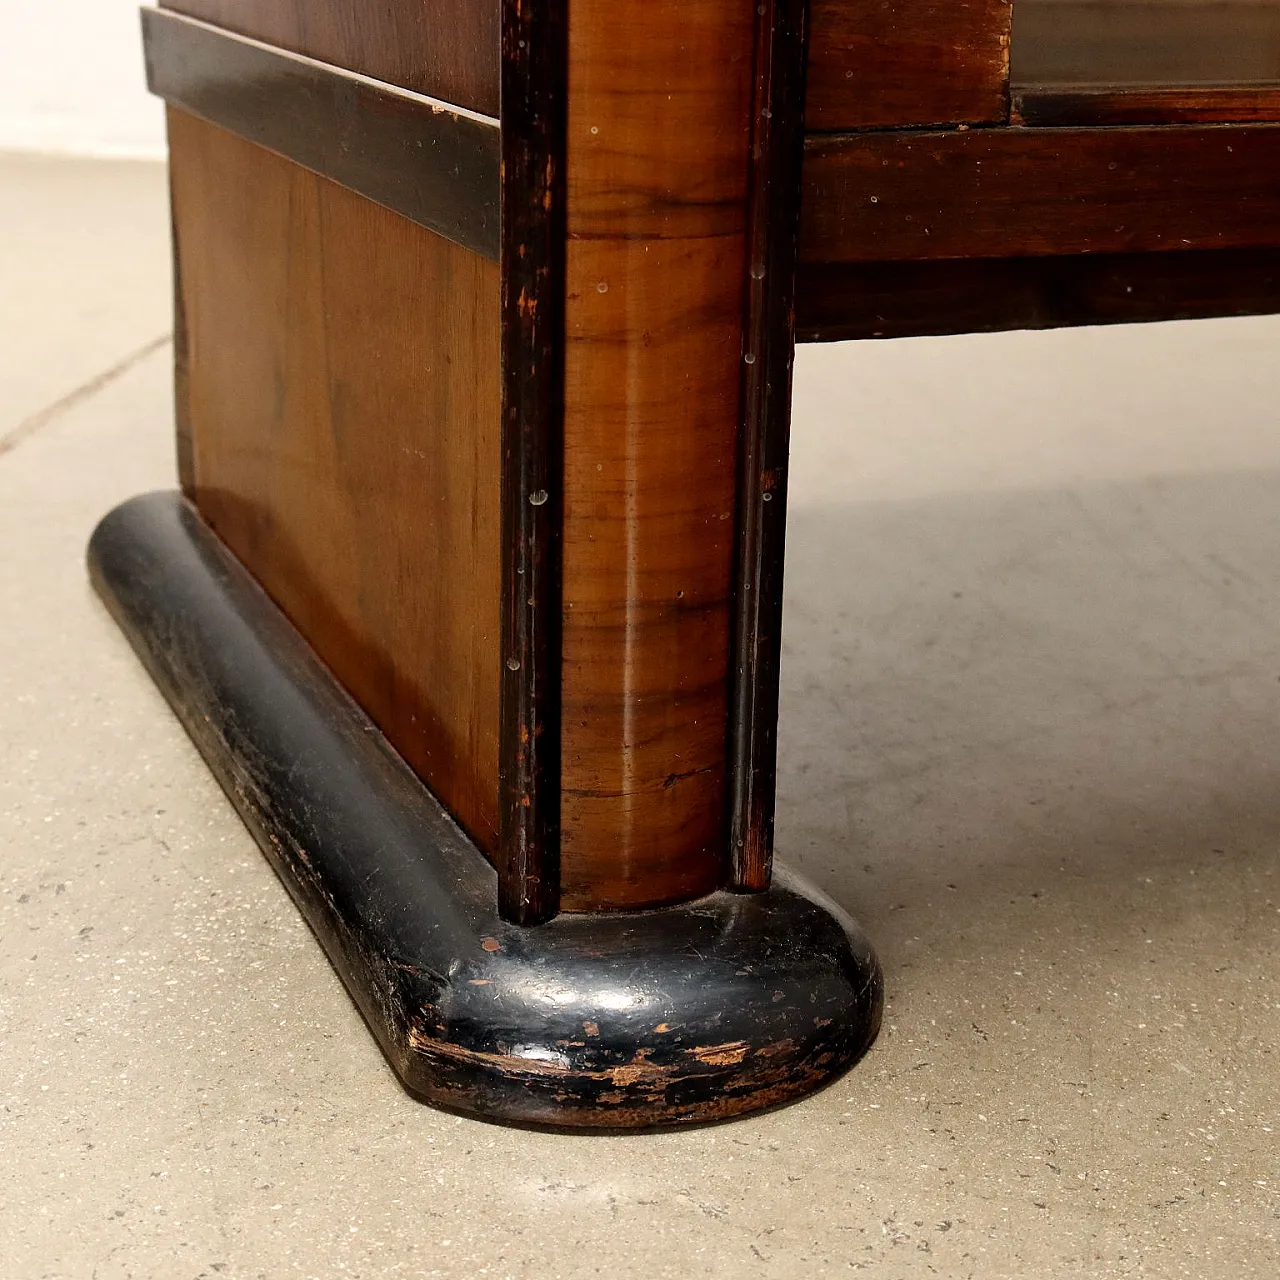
659, 135
342, 398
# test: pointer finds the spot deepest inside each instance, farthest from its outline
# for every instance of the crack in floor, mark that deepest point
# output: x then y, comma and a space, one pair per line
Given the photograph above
29, 426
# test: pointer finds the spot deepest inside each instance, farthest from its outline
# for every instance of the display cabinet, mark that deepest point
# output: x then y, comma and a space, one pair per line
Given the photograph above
472, 591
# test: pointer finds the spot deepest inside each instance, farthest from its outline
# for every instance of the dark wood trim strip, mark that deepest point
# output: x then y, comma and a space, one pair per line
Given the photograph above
993, 193
605, 1022
1062, 106
436, 164
534, 96
184, 441
836, 302
447, 49
777, 149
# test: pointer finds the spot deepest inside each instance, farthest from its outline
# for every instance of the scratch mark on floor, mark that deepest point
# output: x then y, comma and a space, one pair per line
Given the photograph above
29, 426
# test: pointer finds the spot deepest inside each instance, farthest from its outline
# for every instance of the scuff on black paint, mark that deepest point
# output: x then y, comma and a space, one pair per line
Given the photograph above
683, 1015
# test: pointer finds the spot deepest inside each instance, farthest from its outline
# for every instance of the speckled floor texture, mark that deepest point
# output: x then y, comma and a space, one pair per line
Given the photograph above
1030, 737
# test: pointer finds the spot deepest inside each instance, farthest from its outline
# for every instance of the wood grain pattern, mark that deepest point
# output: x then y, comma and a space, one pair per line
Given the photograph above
996, 193
446, 49
659, 109
909, 299
880, 63
343, 383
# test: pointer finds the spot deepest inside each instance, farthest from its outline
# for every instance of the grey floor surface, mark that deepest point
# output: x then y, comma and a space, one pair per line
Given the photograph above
1030, 736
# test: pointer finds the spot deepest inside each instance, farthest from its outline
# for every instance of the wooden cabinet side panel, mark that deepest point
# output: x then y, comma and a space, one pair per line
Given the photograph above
343, 387
883, 63
448, 49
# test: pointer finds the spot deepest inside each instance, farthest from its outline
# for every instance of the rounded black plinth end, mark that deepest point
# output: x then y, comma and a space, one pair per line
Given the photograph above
733, 1004
685, 1015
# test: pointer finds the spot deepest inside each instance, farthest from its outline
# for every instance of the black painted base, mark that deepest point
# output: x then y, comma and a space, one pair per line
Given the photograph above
690, 1014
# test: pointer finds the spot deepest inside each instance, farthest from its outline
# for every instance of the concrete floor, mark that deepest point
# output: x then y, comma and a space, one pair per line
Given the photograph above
1030, 736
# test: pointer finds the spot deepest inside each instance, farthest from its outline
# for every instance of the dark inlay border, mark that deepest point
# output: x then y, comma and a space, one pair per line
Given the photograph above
773, 227
535, 96
1063, 106
431, 162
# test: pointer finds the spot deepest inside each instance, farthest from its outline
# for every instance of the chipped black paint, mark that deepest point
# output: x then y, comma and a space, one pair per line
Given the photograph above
690, 1014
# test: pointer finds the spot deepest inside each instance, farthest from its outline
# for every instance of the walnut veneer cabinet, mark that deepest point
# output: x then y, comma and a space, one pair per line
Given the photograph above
471, 596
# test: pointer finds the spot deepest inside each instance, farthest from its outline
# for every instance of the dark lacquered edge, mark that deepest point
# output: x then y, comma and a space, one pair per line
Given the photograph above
184, 441
434, 163
534, 102
984, 193
686, 1015
1066, 106
838, 302
777, 152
